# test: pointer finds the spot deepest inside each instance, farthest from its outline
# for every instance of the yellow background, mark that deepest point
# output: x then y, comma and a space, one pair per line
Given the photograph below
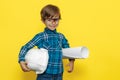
91, 23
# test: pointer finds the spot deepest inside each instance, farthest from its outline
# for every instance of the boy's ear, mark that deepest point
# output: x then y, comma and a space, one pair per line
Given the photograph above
42, 20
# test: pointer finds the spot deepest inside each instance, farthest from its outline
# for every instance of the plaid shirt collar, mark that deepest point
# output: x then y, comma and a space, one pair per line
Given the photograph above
50, 31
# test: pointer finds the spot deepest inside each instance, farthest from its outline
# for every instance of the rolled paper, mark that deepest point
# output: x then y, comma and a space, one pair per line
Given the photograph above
76, 52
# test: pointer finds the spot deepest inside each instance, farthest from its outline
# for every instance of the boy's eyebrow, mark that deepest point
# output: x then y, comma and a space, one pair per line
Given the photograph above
53, 17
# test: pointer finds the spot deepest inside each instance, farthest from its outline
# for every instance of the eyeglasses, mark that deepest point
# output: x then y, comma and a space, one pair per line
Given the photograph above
54, 19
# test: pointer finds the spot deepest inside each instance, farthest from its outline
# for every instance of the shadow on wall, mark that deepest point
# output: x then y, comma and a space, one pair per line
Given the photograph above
28, 75
80, 70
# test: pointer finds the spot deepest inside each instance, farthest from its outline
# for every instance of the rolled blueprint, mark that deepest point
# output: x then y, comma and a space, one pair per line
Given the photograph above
74, 53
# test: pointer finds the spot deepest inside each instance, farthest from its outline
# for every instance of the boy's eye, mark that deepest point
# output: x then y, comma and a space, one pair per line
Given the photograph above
48, 19
55, 19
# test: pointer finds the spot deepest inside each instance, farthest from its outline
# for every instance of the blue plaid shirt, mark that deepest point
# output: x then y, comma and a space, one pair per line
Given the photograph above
53, 42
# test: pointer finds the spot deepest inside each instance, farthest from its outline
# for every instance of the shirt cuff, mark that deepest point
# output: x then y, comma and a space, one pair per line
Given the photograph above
21, 60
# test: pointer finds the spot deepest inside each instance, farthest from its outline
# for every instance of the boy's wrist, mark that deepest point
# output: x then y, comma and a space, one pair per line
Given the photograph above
21, 61
71, 59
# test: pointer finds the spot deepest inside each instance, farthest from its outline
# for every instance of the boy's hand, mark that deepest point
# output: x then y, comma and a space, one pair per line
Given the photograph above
71, 65
24, 66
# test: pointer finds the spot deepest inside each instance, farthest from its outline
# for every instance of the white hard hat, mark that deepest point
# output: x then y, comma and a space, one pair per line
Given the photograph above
37, 60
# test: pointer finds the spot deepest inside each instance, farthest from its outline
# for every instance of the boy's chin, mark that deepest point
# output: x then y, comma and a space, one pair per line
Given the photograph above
52, 28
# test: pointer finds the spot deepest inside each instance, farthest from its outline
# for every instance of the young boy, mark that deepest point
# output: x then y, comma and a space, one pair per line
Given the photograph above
51, 40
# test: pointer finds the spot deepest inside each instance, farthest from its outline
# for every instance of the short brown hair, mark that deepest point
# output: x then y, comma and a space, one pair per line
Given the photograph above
49, 10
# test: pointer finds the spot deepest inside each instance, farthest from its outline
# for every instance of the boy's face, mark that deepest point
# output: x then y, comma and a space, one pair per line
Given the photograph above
52, 22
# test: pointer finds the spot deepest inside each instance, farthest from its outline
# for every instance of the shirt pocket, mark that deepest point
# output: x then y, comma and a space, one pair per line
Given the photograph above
57, 43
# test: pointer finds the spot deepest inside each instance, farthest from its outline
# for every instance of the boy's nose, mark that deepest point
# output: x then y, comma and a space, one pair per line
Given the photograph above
53, 22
